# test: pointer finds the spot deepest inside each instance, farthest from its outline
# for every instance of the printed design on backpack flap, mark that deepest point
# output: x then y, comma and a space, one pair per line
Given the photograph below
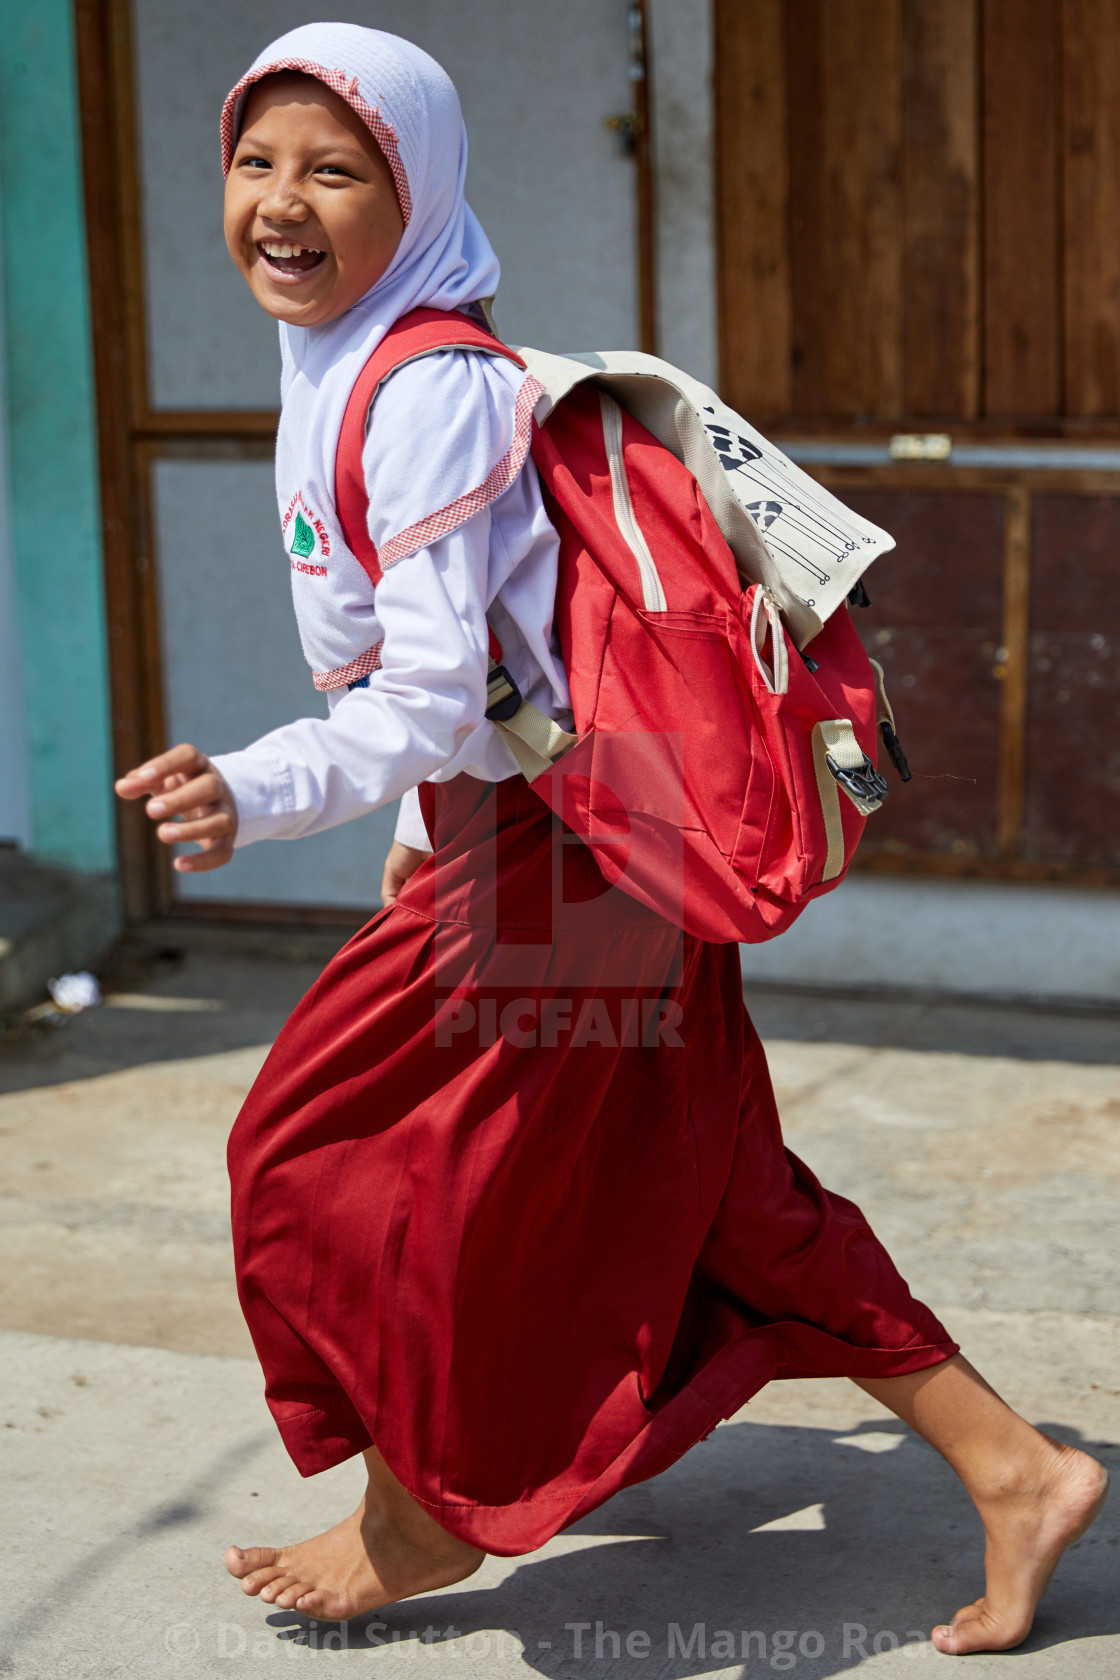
304, 535
791, 520
765, 513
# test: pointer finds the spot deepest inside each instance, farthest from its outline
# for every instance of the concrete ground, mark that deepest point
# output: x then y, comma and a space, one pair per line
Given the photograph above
810, 1534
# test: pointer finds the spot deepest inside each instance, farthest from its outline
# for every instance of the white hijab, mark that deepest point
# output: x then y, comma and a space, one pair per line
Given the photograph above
444, 260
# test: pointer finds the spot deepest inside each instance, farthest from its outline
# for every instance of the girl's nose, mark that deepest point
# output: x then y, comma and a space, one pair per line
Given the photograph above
282, 199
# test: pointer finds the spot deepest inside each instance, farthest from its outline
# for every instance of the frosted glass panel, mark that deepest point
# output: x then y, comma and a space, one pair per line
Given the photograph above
554, 192
233, 669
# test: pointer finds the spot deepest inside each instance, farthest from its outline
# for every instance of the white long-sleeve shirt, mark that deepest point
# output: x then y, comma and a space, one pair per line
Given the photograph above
422, 717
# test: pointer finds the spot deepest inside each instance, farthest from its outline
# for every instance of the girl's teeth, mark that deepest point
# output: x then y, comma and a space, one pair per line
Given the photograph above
272, 248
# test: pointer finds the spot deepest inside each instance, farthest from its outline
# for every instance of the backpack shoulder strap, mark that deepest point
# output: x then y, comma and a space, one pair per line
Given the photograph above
533, 738
419, 333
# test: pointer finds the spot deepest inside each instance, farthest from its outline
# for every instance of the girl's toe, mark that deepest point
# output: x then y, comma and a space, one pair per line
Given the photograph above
312, 1604
241, 1563
244, 1562
259, 1579
279, 1584
289, 1597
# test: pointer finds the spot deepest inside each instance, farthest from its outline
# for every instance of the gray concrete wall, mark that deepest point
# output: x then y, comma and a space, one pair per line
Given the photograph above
681, 50
974, 938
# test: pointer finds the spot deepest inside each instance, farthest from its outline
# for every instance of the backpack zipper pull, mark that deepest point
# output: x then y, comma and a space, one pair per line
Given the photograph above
811, 665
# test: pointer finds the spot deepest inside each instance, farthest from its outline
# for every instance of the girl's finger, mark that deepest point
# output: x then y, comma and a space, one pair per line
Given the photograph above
402, 862
196, 863
211, 825
146, 777
131, 786
203, 790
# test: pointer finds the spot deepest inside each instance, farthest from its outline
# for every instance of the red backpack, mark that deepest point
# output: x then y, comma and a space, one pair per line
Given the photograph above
719, 773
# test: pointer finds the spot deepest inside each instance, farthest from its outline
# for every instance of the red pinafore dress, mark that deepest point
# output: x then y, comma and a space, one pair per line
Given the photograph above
511, 1201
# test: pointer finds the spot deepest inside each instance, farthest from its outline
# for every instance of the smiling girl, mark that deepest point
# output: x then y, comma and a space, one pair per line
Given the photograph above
515, 1273
312, 217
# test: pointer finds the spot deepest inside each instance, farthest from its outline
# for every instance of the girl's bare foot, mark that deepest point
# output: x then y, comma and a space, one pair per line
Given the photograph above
1028, 1526
389, 1549
1035, 1497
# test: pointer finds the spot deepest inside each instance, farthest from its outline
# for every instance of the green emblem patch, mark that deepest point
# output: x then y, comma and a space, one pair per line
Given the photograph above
303, 543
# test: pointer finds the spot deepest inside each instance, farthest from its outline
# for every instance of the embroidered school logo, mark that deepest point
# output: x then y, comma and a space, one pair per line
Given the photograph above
303, 543
305, 534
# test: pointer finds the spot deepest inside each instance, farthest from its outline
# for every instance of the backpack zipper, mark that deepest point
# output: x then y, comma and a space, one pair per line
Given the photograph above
653, 596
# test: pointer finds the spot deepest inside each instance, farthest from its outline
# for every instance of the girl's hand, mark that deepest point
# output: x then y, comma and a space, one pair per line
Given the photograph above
182, 784
402, 862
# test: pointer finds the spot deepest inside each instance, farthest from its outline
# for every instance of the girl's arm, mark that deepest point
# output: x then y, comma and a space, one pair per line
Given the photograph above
427, 700
211, 819
423, 712
423, 715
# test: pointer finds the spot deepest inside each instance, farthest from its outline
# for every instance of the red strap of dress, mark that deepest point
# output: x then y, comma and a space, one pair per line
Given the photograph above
418, 333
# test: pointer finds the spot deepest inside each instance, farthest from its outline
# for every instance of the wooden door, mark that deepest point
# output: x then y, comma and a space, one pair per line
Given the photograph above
919, 229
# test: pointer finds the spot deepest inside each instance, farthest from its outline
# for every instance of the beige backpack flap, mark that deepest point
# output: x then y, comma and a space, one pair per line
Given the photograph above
785, 530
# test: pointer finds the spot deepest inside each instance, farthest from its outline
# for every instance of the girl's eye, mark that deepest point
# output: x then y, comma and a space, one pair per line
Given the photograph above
330, 169
253, 163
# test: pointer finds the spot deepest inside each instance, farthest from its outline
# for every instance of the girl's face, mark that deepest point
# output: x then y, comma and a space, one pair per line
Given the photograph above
312, 218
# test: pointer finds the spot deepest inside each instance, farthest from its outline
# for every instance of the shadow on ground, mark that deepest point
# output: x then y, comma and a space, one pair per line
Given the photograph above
829, 1538
881, 1545
199, 997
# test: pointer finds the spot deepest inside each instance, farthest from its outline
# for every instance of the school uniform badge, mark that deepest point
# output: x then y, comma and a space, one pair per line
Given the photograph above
303, 543
304, 536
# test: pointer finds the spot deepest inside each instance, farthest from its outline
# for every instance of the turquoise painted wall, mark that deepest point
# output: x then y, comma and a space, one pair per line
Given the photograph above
52, 439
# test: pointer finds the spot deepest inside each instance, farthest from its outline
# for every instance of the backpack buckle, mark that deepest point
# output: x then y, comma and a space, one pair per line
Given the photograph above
864, 784
503, 696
